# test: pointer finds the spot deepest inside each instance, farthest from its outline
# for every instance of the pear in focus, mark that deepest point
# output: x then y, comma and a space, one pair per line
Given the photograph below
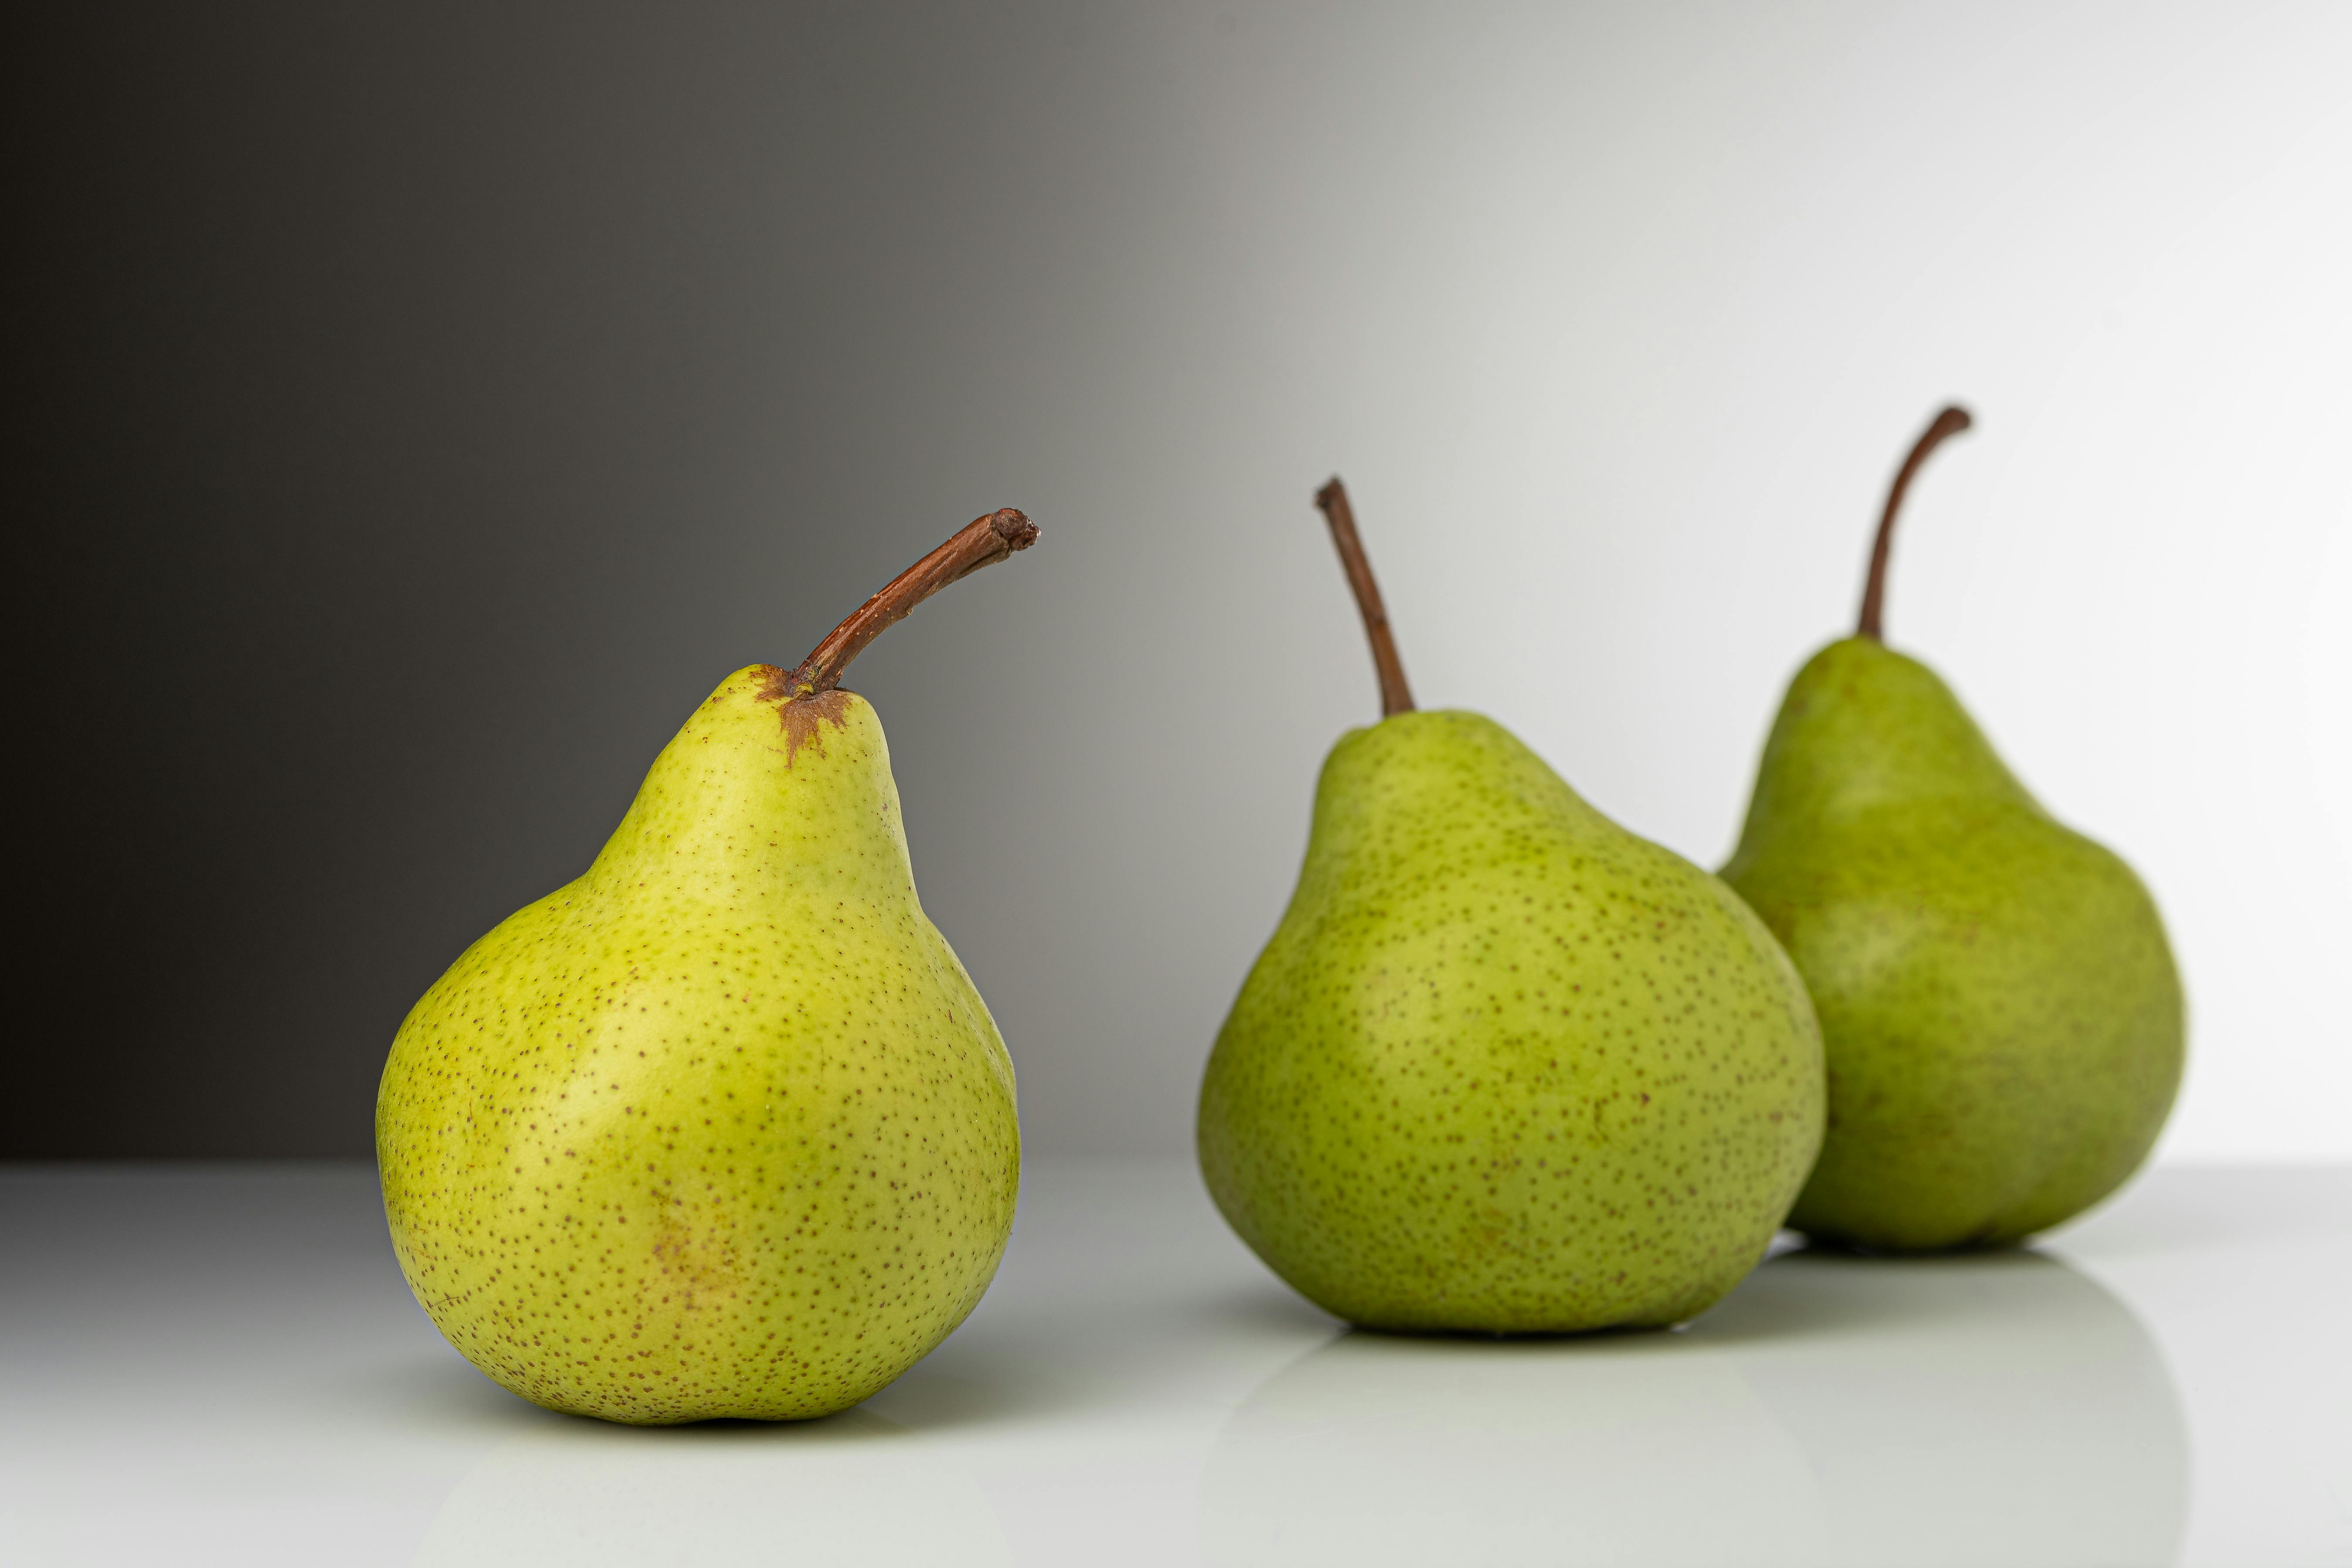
722, 1128
1504, 1067
2003, 1020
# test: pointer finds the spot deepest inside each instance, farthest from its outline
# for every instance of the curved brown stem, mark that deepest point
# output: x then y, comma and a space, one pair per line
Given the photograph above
1949, 423
1396, 697
983, 542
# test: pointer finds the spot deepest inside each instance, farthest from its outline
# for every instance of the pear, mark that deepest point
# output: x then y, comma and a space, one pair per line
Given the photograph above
2003, 1019
1504, 1067
722, 1128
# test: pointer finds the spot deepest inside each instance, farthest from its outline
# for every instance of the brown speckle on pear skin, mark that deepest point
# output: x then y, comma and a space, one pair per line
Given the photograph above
1505, 1068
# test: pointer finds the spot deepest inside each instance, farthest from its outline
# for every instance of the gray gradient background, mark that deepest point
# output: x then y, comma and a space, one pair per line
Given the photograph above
423, 406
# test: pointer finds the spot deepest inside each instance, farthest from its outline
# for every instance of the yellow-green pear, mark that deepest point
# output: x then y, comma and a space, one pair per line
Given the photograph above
722, 1128
1505, 1068
2002, 1017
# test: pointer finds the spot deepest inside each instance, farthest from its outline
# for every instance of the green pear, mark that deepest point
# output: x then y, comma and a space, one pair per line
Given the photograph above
1504, 1067
722, 1128
2003, 1020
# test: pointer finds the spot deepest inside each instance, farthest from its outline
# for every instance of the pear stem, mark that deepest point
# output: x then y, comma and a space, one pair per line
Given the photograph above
1396, 697
1949, 423
983, 541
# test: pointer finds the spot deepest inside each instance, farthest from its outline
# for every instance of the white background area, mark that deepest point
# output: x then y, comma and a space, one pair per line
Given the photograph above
1616, 322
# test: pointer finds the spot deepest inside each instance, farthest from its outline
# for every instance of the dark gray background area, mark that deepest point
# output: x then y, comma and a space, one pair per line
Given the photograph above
423, 408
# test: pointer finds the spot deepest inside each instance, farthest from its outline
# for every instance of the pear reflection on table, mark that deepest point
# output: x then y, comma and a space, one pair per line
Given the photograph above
1627, 1448
837, 1490
1998, 1407
1993, 1408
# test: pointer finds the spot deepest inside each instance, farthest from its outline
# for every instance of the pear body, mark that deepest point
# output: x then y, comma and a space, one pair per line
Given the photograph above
2002, 1017
1505, 1068
722, 1128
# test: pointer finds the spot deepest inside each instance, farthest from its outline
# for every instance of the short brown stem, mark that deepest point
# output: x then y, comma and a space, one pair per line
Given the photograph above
983, 542
1396, 697
1949, 423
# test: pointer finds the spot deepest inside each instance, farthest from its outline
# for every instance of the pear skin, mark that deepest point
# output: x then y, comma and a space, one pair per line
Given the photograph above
722, 1128
2003, 1020
2002, 1015
1504, 1067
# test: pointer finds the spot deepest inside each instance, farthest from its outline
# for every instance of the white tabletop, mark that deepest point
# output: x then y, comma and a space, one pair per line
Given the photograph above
220, 1364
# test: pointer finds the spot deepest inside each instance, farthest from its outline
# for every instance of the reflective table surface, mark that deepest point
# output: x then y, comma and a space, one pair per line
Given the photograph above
220, 1364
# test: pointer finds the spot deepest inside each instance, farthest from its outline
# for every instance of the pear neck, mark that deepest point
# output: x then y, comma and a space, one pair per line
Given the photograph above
1865, 727
728, 815
1427, 795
